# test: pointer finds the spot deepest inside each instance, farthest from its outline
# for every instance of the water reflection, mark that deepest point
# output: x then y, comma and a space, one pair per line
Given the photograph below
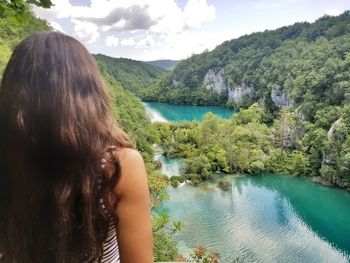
262, 219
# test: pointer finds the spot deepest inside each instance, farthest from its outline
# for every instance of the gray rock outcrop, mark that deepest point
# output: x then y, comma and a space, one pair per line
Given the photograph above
279, 97
236, 94
175, 82
215, 81
333, 128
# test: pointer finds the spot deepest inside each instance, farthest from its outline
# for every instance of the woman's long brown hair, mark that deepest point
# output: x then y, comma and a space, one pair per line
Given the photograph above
55, 124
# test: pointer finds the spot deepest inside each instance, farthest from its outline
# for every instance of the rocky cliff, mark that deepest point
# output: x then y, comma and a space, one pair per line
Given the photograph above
215, 81
279, 97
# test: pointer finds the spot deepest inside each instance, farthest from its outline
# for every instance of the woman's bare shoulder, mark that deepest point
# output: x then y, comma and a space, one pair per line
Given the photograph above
133, 172
128, 155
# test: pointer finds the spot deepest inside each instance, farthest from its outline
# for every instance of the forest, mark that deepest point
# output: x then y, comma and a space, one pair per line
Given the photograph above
309, 62
138, 77
245, 144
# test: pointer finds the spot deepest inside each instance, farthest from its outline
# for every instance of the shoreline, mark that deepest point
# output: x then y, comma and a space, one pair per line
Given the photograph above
314, 179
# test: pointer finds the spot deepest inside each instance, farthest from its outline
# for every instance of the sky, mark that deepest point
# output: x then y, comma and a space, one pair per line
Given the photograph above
175, 29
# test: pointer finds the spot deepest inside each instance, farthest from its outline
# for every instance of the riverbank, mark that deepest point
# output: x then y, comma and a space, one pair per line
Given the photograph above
172, 167
315, 180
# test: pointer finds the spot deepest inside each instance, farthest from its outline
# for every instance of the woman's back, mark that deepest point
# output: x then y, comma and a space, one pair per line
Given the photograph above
55, 124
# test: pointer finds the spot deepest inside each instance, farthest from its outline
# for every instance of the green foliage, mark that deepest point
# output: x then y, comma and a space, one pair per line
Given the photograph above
135, 76
16, 22
164, 247
175, 181
245, 144
240, 144
23, 6
310, 62
224, 185
199, 166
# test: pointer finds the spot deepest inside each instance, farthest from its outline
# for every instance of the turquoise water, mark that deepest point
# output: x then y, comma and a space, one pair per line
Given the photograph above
170, 167
266, 218
169, 112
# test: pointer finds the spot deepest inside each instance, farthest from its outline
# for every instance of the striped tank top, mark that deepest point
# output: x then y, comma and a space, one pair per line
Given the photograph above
110, 252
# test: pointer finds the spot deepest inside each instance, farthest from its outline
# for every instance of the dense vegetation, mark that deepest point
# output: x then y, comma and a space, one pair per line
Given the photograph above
309, 61
245, 144
307, 135
135, 76
16, 22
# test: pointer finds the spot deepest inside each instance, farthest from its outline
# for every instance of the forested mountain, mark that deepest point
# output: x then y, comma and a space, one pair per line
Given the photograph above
133, 75
301, 65
166, 64
295, 82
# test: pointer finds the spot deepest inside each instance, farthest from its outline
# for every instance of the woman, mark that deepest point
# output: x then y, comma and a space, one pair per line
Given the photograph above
72, 186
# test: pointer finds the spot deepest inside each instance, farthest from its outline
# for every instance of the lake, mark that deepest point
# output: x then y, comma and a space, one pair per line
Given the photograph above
263, 218
162, 112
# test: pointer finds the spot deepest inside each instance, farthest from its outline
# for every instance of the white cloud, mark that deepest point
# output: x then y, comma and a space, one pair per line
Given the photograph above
56, 26
86, 31
128, 42
112, 41
146, 42
182, 45
61, 9
333, 12
153, 17
197, 12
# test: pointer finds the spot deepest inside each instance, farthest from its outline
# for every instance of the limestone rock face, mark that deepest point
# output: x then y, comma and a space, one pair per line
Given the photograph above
329, 157
215, 81
279, 97
175, 82
333, 128
235, 94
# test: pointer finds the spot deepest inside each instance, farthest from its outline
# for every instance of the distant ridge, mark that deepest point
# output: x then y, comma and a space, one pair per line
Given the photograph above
133, 75
166, 64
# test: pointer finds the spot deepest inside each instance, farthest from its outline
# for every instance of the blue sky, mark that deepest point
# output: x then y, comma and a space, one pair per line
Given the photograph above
175, 29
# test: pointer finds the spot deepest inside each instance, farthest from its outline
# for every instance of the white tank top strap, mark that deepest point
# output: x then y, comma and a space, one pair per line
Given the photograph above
110, 252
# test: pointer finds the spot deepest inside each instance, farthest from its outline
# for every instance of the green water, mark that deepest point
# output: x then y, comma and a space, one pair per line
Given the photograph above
265, 218
169, 112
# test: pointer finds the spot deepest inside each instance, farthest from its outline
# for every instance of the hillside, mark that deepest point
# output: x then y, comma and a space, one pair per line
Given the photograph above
133, 75
303, 64
166, 64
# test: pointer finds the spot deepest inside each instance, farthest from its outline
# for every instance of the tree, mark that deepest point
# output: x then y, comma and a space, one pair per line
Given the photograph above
21, 6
